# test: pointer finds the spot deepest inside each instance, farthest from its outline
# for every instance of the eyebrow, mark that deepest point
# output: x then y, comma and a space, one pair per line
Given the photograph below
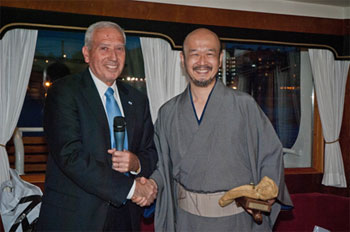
208, 50
107, 44
193, 50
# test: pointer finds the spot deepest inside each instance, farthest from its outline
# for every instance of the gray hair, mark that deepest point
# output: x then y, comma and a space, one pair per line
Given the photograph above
102, 24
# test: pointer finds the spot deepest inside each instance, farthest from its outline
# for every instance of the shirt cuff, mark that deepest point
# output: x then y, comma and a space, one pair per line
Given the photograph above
132, 190
138, 170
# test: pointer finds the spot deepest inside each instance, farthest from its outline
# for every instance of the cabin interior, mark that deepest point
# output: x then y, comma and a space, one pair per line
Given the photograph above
266, 39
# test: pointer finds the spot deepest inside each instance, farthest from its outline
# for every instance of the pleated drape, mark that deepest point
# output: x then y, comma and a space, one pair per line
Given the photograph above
16, 60
330, 79
164, 76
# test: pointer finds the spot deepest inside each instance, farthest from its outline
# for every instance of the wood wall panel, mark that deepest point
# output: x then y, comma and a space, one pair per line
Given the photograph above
344, 138
346, 27
187, 14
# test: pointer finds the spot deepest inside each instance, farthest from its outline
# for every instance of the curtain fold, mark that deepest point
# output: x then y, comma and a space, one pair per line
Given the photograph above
330, 80
17, 52
163, 72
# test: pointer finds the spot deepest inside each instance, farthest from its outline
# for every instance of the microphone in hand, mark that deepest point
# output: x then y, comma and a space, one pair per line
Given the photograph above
119, 125
122, 160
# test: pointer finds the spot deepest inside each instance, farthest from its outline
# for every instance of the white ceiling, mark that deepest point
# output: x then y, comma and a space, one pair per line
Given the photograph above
338, 9
341, 3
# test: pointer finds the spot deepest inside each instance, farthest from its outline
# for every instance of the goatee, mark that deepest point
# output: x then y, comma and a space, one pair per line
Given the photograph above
202, 83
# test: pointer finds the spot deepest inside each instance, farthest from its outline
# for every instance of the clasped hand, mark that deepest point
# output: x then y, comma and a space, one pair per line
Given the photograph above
145, 192
124, 161
145, 189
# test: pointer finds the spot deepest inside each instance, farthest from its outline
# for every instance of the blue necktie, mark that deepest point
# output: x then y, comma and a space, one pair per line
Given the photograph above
113, 110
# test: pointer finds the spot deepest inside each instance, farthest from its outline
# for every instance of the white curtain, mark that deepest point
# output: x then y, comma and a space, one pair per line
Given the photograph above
16, 60
164, 76
330, 80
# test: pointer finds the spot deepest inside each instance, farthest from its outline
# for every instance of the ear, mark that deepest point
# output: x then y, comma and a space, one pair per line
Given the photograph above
182, 58
85, 51
221, 57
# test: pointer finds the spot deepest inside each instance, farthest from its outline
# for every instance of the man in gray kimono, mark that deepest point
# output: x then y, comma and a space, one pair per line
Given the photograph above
211, 139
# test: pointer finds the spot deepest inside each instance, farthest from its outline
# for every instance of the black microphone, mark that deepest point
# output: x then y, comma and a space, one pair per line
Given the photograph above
119, 125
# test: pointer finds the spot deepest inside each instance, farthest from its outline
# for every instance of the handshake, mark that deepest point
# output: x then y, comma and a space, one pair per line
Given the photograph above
145, 191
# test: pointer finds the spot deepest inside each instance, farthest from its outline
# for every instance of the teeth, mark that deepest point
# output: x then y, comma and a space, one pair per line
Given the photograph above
112, 66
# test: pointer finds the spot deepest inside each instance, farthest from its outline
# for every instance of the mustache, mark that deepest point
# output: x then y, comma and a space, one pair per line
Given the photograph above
202, 67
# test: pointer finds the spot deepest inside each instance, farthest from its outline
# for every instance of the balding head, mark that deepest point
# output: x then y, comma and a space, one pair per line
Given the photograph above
202, 33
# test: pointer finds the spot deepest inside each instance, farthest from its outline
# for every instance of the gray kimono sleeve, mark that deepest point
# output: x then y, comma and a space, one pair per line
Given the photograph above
165, 211
269, 157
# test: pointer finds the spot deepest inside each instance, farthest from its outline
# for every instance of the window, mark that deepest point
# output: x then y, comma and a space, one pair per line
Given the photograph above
280, 80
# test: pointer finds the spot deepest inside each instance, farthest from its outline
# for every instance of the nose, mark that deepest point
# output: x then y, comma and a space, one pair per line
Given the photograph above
113, 55
202, 60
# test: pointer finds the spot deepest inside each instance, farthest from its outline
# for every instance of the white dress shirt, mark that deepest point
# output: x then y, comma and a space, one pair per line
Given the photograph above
102, 88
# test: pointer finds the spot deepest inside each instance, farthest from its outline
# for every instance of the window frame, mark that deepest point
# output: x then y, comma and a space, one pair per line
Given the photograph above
317, 156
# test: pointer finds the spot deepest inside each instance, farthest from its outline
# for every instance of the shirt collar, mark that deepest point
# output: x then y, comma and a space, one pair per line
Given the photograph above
101, 86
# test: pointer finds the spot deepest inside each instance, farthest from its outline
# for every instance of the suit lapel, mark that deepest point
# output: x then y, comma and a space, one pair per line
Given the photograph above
129, 111
90, 93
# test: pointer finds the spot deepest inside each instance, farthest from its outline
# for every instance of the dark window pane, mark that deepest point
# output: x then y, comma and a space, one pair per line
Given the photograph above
271, 74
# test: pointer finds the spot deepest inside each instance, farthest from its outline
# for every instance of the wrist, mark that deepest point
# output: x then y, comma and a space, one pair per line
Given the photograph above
138, 166
136, 169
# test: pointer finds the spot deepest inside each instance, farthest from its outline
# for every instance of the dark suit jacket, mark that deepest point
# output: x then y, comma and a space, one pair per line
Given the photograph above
80, 183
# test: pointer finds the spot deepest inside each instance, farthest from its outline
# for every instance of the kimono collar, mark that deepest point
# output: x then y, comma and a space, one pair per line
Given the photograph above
205, 107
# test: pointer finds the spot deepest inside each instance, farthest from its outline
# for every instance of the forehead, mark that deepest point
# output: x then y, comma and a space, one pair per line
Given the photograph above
202, 41
108, 34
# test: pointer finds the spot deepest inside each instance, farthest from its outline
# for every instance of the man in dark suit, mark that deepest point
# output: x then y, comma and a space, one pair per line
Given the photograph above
85, 189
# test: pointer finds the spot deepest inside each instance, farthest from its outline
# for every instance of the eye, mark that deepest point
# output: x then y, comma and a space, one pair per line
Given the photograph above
120, 49
104, 48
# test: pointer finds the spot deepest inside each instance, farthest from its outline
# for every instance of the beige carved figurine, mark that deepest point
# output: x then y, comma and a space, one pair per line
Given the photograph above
265, 190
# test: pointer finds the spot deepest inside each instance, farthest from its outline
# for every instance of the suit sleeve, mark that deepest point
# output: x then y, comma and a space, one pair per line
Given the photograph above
146, 151
76, 148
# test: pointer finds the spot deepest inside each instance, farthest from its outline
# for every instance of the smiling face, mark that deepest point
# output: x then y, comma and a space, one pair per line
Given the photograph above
106, 54
201, 57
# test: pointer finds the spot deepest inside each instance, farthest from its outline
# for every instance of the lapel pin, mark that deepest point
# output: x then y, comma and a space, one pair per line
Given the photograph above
130, 103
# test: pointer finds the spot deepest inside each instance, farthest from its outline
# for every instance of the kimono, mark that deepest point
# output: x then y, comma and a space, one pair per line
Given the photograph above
233, 144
